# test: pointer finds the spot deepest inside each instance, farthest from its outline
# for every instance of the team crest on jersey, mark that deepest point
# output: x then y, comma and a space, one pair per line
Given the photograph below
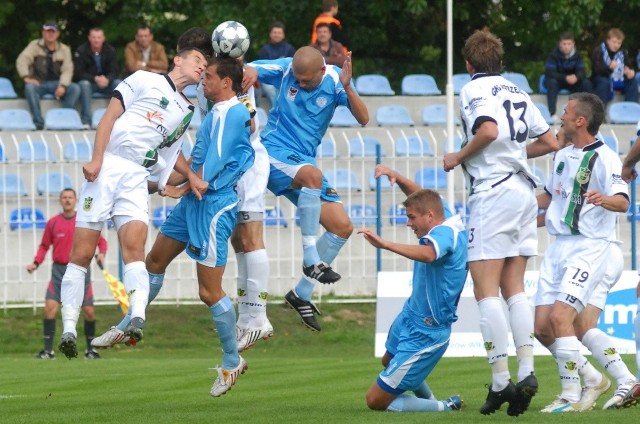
321, 101
86, 204
291, 95
154, 115
164, 102
560, 168
583, 176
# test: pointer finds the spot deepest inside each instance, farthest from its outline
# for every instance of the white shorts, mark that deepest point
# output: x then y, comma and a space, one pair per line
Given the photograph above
253, 183
572, 268
613, 271
502, 221
120, 189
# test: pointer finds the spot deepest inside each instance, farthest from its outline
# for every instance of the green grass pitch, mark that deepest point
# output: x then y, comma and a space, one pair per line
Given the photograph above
297, 376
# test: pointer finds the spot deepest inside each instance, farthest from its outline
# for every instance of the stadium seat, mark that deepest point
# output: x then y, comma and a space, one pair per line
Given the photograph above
263, 117
394, 115
3, 158
35, 151
96, 117
12, 185
6, 89
611, 141
327, 149
413, 146
190, 91
434, 178
52, 183
519, 80
542, 88
437, 115
342, 117
458, 81
16, 120
544, 110
398, 215
457, 144
633, 211
373, 85
78, 150
462, 210
196, 120
273, 217
624, 113
365, 146
419, 85
384, 181
362, 214
343, 179
160, 214
63, 119
27, 219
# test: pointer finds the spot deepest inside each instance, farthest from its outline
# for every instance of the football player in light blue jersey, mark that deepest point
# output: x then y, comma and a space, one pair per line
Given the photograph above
308, 93
419, 335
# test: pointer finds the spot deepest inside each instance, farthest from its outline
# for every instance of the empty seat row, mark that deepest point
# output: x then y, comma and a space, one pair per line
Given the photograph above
49, 183
41, 151
366, 147
395, 115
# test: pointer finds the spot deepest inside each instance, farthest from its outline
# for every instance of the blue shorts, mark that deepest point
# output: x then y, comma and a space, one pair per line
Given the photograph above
416, 349
283, 167
204, 226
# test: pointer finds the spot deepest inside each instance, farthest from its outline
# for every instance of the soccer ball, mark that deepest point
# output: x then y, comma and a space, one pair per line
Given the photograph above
230, 38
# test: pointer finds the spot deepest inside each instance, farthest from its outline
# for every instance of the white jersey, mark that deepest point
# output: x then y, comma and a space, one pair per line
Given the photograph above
155, 117
575, 171
490, 97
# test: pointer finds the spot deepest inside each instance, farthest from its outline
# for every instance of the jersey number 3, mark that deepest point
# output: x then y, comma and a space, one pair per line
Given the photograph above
518, 127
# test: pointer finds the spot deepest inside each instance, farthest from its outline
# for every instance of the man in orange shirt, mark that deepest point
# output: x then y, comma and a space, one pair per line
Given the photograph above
328, 16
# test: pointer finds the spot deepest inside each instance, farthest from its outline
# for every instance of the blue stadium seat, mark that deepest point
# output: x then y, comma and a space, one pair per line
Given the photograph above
611, 141
62, 119
544, 110
458, 81
16, 120
419, 85
365, 146
78, 150
413, 146
398, 215
160, 214
437, 115
12, 185
196, 120
434, 178
394, 115
384, 181
6, 89
273, 217
342, 117
362, 214
343, 179
542, 88
462, 210
52, 183
35, 151
373, 85
633, 210
624, 113
519, 80
457, 144
97, 116
263, 117
190, 91
3, 158
27, 219
327, 149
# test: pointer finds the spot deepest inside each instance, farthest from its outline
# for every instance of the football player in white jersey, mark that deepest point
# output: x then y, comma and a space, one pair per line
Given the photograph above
139, 134
581, 198
498, 119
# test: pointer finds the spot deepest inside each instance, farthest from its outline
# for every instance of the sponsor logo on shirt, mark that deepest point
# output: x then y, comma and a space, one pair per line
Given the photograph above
291, 94
154, 115
474, 104
86, 204
617, 179
560, 168
164, 102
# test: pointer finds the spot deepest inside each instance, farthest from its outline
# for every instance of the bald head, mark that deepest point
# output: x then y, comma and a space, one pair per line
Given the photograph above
308, 67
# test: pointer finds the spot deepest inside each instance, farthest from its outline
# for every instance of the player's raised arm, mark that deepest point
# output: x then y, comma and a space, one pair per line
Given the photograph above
357, 106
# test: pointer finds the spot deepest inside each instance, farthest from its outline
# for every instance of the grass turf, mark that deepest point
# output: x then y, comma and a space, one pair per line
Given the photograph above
297, 376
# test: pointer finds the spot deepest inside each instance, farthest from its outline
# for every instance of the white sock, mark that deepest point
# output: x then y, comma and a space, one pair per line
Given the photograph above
568, 360
521, 321
257, 263
604, 351
241, 282
636, 322
590, 375
71, 296
493, 326
136, 282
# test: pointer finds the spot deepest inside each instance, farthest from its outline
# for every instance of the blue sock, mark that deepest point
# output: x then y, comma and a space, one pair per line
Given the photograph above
408, 403
328, 247
309, 208
224, 316
424, 391
155, 284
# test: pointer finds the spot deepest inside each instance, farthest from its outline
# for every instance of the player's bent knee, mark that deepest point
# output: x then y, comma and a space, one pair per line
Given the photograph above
375, 403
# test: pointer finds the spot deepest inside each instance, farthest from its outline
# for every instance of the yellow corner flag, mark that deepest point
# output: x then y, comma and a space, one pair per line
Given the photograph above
117, 289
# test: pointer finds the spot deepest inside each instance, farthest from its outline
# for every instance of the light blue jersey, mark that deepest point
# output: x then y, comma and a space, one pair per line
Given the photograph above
299, 118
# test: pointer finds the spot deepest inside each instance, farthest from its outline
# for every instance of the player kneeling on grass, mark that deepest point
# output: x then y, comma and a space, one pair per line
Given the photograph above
419, 336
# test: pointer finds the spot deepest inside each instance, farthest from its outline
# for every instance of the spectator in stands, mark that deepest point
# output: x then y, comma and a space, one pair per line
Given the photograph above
328, 16
145, 54
276, 48
46, 67
332, 50
612, 69
564, 69
95, 69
